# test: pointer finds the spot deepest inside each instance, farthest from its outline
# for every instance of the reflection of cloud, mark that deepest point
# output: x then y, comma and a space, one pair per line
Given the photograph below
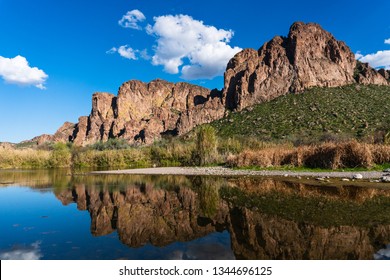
203, 252
383, 254
31, 252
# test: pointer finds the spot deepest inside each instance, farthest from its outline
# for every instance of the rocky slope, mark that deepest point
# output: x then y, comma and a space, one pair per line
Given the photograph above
308, 57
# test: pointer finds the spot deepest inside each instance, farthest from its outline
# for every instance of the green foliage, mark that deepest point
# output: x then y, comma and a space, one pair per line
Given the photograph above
60, 156
111, 144
316, 115
206, 145
172, 152
111, 158
358, 70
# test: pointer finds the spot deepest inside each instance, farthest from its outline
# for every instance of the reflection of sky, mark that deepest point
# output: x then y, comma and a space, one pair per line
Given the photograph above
383, 254
203, 250
64, 233
30, 252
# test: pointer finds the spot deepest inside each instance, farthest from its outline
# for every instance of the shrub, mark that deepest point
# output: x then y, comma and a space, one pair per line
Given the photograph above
111, 144
206, 146
60, 156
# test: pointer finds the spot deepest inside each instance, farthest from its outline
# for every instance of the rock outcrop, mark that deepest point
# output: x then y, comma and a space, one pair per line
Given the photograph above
142, 112
365, 75
385, 74
308, 57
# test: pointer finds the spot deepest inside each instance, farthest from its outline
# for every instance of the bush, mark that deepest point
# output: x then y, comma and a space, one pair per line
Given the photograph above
60, 156
111, 144
206, 146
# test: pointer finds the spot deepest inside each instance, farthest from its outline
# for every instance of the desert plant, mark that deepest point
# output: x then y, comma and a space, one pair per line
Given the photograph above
60, 156
206, 146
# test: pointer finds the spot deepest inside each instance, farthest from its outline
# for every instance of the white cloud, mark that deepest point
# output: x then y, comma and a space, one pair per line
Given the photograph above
180, 38
31, 252
358, 55
131, 19
124, 51
144, 54
387, 41
17, 71
376, 60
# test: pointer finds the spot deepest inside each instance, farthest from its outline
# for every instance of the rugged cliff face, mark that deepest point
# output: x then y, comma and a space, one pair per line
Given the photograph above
142, 112
308, 57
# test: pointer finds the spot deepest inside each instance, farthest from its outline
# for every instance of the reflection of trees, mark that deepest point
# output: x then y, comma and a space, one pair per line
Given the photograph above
208, 193
45, 178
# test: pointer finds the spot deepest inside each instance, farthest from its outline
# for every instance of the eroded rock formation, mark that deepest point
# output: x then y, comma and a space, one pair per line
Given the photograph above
143, 112
308, 57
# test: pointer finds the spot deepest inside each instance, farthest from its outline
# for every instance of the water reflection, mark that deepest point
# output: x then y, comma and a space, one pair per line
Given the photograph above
21, 252
180, 217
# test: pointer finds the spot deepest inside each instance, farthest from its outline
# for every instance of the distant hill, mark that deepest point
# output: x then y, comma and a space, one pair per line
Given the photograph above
354, 111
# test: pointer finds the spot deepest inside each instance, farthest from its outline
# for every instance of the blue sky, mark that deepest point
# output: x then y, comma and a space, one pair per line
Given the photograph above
55, 54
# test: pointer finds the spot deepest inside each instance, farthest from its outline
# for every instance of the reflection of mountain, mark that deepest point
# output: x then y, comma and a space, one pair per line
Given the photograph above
266, 219
143, 214
259, 236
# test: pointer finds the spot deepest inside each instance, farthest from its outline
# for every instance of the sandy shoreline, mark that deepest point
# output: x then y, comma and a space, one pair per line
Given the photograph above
222, 171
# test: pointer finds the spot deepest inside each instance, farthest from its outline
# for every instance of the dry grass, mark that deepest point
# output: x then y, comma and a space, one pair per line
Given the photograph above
24, 158
350, 154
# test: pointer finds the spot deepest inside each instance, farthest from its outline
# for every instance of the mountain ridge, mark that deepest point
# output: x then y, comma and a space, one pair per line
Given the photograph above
144, 112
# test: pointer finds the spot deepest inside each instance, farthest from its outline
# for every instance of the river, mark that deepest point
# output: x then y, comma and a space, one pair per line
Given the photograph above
57, 214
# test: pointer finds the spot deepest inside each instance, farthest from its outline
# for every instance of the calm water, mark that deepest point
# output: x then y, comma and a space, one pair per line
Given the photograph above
53, 215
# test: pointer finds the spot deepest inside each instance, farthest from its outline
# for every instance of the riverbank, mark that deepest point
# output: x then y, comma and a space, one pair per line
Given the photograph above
223, 171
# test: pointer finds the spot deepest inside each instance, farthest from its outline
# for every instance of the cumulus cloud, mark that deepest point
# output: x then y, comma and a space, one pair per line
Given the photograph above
387, 41
200, 50
124, 51
17, 71
131, 19
377, 60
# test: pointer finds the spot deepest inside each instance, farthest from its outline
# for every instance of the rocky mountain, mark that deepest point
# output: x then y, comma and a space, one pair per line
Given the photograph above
308, 57
142, 112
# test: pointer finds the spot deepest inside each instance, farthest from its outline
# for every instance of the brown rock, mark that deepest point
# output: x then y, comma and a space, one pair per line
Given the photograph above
101, 117
81, 131
41, 139
308, 57
65, 132
366, 75
142, 113
384, 73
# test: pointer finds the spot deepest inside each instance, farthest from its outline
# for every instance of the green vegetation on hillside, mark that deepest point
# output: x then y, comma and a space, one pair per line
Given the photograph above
353, 121
318, 114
